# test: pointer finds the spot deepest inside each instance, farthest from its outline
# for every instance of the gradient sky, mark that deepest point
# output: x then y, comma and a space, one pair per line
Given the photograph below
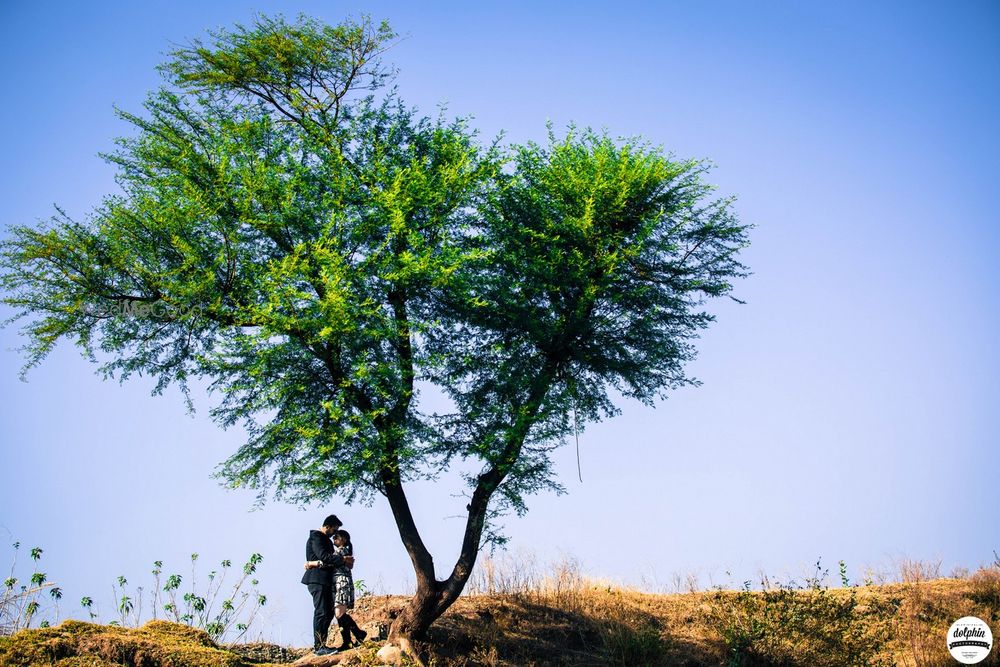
848, 411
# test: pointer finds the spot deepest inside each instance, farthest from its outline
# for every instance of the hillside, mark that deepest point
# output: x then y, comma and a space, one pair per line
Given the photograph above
589, 624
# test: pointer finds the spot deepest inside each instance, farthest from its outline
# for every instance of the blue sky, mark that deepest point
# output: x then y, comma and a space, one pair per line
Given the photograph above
848, 411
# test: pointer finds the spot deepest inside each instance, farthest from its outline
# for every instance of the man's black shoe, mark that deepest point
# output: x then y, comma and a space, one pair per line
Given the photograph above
326, 651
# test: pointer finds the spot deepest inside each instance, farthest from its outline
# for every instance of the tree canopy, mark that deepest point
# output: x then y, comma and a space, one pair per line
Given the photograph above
288, 230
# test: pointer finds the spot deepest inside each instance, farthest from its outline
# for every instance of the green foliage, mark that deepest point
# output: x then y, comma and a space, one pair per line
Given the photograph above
88, 604
587, 276
272, 58
313, 251
223, 611
20, 603
790, 624
844, 581
217, 608
226, 610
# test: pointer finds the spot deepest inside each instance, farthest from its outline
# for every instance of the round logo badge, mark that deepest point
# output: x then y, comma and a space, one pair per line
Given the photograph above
970, 640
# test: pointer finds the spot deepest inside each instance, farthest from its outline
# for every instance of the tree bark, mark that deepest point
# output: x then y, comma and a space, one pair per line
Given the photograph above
417, 617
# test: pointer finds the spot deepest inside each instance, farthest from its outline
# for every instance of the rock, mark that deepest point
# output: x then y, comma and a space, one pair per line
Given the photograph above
390, 655
313, 660
258, 652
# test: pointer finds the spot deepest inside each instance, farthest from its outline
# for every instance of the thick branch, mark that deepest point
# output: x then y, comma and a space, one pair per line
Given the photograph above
423, 562
404, 351
490, 481
390, 473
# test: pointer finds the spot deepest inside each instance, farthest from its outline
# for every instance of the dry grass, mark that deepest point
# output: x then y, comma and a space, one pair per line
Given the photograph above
932, 604
520, 614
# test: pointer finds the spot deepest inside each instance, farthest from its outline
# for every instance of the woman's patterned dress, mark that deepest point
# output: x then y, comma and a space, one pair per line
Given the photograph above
343, 582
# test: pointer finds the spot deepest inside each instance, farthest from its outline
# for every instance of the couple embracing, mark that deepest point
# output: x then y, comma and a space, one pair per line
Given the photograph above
329, 560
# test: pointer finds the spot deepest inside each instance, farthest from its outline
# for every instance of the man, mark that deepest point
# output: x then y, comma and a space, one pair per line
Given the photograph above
319, 547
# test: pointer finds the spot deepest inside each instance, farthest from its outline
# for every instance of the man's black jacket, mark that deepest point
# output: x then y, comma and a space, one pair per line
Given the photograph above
320, 547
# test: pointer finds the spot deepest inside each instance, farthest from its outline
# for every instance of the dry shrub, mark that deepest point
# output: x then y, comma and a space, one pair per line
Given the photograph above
788, 625
633, 642
588, 614
520, 575
510, 574
916, 571
932, 604
488, 657
985, 589
924, 620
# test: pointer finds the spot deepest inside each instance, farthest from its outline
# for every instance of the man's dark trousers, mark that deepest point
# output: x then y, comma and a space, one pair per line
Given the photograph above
323, 612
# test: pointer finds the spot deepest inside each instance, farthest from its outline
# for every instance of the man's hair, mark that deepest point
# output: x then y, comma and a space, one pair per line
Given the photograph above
333, 521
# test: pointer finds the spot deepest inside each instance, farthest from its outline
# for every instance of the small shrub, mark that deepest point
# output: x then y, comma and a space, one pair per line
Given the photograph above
927, 613
628, 645
21, 601
224, 612
986, 587
788, 624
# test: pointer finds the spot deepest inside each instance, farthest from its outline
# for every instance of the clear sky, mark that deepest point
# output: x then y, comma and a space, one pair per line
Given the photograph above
848, 411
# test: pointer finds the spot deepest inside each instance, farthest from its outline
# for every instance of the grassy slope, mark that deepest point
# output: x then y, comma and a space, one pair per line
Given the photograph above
898, 624
79, 644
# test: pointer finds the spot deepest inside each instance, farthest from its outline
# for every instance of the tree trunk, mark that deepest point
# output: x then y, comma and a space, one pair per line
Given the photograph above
416, 618
429, 603
434, 597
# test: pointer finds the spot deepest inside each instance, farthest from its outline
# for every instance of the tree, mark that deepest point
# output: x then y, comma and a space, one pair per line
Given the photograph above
288, 230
